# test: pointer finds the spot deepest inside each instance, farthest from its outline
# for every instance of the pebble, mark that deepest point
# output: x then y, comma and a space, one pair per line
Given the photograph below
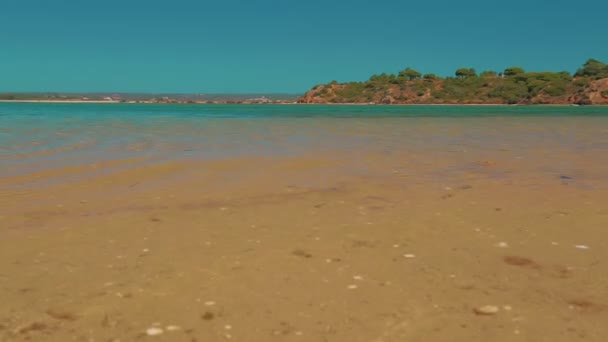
173, 328
409, 256
486, 310
154, 331
502, 245
210, 303
357, 277
228, 327
352, 287
581, 247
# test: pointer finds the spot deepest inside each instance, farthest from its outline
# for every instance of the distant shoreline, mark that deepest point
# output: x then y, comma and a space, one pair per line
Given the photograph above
58, 101
143, 102
306, 104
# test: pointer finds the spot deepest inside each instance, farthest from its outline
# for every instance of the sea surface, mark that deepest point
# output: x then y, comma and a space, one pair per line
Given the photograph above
36, 136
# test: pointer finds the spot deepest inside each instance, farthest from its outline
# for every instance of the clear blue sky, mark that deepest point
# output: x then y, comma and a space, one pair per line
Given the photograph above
230, 46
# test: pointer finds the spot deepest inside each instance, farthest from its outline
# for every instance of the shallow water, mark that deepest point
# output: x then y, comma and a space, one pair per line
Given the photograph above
39, 136
307, 223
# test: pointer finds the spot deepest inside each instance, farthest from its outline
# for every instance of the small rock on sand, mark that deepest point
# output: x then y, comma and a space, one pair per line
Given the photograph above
486, 310
154, 331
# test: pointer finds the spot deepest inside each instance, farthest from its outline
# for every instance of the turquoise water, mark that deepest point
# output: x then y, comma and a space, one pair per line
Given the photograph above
37, 135
100, 111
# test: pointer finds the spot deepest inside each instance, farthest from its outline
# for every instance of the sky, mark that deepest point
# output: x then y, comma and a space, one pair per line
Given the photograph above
286, 46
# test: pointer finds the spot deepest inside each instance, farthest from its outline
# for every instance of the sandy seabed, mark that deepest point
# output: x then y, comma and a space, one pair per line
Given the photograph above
379, 244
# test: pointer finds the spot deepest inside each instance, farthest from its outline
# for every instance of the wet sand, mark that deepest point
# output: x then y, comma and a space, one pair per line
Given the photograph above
397, 240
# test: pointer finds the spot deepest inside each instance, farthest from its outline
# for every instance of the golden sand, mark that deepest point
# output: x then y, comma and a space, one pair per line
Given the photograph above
318, 247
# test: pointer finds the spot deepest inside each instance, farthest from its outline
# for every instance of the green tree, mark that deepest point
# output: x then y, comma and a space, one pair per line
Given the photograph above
488, 74
466, 73
410, 74
555, 90
510, 92
392, 79
379, 80
513, 71
430, 77
594, 69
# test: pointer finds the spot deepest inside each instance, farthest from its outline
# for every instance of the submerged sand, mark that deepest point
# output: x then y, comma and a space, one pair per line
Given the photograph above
379, 244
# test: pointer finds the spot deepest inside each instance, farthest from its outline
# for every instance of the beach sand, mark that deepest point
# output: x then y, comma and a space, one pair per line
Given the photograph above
411, 243
299, 250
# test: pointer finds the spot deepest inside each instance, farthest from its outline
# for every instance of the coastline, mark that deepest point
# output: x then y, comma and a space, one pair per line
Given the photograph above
307, 104
57, 101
